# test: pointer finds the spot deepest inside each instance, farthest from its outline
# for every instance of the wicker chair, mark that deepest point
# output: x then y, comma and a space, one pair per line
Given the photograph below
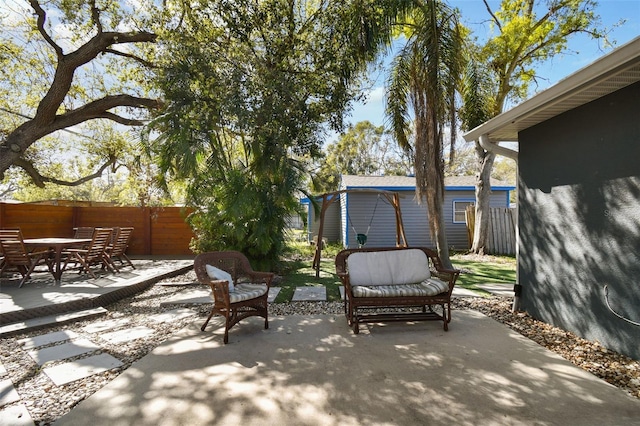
250, 288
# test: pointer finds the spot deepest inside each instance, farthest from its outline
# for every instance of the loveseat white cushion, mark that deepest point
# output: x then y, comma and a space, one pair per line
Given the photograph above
384, 268
429, 287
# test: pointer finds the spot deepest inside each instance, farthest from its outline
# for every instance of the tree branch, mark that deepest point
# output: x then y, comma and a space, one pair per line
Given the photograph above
134, 57
122, 120
95, 16
100, 109
42, 17
493, 16
40, 180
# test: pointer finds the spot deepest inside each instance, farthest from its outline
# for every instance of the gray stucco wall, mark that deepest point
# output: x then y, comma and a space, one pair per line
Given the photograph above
579, 220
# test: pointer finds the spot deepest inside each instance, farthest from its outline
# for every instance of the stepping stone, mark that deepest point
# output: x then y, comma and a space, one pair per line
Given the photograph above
50, 320
463, 292
128, 335
310, 294
505, 290
190, 297
79, 369
16, 415
3, 370
177, 283
106, 325
66, 350
8, 393
172, 315
273, 293
46, 339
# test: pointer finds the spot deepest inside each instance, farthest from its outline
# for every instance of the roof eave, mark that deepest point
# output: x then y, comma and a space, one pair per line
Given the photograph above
617, 61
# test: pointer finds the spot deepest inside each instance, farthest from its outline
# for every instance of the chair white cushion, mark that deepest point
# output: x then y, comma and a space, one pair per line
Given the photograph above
246, 291
218, 274
388, 267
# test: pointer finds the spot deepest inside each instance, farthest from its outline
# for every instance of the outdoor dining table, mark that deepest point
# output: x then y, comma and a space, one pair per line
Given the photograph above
58, 245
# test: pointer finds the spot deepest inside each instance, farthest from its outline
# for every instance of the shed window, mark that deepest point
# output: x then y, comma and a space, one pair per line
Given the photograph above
459, 208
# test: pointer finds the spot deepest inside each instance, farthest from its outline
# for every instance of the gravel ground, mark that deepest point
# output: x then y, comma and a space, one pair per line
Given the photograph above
47, 402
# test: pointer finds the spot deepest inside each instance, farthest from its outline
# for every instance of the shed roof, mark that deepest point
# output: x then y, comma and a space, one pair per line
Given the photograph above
614, 71
409, 182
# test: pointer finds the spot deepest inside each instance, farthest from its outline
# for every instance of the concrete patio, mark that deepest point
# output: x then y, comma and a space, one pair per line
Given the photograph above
310, 370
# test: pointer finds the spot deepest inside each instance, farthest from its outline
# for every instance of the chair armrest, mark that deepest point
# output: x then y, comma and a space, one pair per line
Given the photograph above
265, 277
220, 289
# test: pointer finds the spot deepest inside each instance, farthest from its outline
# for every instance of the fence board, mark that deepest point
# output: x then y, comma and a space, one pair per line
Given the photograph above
502, 229
157, 231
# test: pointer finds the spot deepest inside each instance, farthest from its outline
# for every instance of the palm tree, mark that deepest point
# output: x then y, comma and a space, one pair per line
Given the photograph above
422, 84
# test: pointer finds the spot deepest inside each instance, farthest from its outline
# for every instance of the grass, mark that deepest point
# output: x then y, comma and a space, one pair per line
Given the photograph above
297, 270
484, 269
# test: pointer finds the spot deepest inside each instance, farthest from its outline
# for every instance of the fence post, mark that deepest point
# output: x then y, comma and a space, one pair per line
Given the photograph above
146, 215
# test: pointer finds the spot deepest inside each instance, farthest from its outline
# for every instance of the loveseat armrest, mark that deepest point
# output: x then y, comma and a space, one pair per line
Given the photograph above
448, 275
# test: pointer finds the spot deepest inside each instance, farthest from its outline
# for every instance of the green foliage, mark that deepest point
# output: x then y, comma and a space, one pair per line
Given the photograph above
524, 34
363, 149
528, 32
248, 88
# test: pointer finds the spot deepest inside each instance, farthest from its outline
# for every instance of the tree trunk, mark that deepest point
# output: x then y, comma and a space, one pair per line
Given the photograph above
441, 241
483, 198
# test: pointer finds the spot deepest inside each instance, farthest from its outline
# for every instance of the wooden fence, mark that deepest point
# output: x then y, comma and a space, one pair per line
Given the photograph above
502, 229
157, 230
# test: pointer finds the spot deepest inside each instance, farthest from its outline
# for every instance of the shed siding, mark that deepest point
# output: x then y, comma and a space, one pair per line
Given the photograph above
382, 232
579, 220
331, 229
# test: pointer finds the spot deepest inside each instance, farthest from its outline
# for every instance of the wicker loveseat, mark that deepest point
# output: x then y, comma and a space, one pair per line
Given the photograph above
381, 284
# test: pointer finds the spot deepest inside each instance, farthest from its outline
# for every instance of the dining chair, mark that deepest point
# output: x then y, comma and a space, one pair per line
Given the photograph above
83, 232
94, 254
238, 291
16, 255
8, 234
117, 248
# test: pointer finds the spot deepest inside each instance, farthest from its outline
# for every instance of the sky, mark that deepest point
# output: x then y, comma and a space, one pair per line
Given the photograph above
582, 50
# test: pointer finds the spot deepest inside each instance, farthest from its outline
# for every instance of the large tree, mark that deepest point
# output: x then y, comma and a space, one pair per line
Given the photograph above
527, 32
63, 64
249, 86
422, 84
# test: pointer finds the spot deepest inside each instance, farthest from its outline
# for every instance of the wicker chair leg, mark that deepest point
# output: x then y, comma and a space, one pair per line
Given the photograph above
226, 334
207, 321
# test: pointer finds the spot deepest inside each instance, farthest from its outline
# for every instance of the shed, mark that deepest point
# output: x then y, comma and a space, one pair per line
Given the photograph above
579, 199
370, 214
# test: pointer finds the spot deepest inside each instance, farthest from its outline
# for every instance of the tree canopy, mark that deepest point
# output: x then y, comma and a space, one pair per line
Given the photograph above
525, 33
65, 63
364, 149
249, 87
